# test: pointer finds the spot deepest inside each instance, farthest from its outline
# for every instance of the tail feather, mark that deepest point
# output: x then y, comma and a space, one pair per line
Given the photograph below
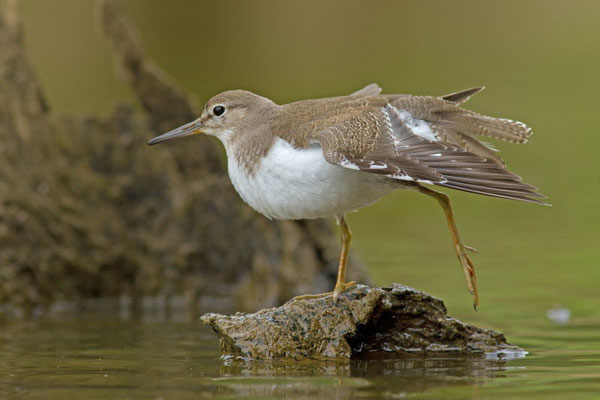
472, 123
455, 126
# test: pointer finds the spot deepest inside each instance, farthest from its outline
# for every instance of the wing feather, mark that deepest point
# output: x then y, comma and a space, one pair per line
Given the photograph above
410, 138
462, 96
381, 141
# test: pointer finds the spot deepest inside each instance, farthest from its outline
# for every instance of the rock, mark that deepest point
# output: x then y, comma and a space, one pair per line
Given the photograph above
395, 319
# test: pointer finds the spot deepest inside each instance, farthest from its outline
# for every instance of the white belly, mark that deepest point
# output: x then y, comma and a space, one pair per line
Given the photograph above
291, 183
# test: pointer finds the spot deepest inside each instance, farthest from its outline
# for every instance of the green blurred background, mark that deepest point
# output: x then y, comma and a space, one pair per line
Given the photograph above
540, 62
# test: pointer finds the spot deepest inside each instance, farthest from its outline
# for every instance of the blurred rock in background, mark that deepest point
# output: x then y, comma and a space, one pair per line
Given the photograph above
87, 210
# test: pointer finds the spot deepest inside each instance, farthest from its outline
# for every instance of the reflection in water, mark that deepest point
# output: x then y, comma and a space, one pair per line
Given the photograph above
369, 377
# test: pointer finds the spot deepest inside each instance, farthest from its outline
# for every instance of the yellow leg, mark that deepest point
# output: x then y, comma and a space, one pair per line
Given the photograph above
340, 284
459, 246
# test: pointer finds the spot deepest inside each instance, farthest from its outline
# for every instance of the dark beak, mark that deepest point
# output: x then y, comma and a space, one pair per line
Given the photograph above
186, 130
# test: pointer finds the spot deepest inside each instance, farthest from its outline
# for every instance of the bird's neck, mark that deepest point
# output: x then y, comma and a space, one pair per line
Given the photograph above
248, 147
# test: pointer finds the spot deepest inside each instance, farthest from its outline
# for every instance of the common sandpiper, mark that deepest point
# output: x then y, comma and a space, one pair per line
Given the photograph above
327, 157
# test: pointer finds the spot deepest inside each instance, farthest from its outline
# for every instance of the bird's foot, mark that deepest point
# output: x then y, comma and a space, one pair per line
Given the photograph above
311, 296
339, 288
469, 270
471, 249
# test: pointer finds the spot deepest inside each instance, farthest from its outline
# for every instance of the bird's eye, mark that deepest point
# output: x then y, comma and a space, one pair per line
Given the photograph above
218, 110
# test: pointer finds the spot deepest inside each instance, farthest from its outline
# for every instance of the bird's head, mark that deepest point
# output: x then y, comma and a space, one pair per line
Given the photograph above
224, 116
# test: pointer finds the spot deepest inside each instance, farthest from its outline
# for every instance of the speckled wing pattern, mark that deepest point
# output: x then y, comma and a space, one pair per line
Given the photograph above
420, 139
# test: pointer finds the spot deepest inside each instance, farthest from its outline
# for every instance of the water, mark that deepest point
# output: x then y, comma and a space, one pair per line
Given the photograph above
102, 357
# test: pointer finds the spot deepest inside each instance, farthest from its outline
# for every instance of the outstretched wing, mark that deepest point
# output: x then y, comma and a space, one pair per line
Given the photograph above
425, 139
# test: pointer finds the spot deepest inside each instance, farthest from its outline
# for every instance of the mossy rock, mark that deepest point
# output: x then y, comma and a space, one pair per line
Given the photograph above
364, 321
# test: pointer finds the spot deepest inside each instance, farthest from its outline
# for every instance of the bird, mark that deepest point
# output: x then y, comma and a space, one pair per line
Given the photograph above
325, 158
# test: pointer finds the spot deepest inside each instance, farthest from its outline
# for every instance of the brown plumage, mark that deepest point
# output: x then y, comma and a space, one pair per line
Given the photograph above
296, 160
377, 134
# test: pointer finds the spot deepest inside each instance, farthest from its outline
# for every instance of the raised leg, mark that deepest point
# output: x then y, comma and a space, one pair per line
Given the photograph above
459, 246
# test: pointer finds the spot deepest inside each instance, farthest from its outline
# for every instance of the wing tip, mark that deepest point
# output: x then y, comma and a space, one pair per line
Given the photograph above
525, 196
463, 95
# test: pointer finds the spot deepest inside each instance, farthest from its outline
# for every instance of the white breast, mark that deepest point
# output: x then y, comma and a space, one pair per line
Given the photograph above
292, 183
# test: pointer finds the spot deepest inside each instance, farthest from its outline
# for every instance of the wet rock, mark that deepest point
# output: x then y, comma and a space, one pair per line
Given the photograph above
364, 321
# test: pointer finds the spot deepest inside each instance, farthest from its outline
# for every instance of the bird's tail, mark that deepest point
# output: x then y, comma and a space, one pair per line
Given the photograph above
469, 122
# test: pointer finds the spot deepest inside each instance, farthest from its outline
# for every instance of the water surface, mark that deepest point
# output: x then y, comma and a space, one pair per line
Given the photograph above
103, 357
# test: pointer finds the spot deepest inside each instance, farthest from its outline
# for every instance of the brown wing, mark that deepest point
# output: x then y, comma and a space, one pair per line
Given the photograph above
404, 139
